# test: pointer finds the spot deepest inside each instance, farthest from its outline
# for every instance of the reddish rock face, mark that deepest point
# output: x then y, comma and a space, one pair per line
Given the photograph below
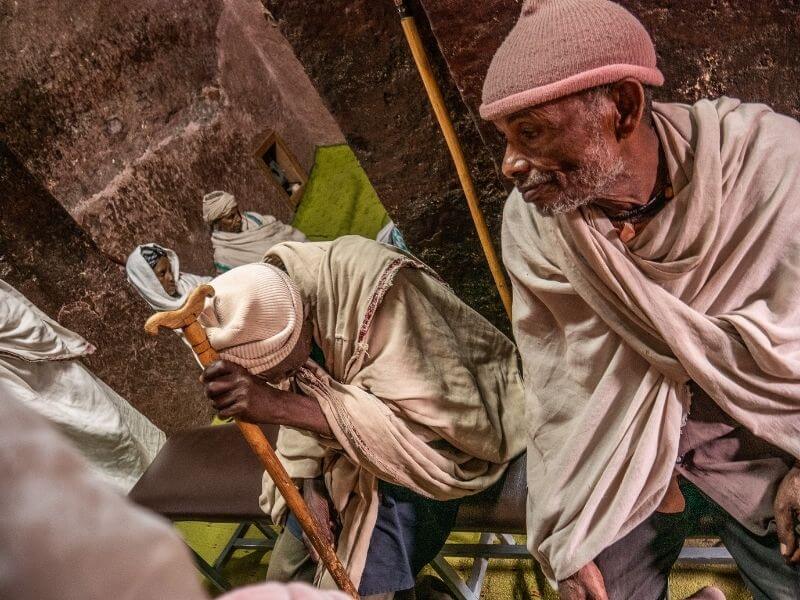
48, 258
129, 112
125, 114
355, 53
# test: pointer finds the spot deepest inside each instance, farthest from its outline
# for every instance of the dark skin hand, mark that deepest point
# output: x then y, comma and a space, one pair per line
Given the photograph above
787, 509
234, 392
319, 503
586, 584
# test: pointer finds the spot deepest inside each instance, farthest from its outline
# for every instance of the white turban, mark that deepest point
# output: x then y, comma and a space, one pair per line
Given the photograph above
218, 204
255, 317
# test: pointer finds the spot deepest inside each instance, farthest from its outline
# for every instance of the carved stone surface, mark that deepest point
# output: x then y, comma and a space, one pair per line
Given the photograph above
48, 258
355, 53
129, 112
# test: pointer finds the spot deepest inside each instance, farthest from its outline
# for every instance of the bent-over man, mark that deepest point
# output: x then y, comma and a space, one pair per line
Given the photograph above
396, 399
655, 260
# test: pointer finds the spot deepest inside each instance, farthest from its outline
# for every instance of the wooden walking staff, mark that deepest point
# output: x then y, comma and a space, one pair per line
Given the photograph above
185, 318
440, 110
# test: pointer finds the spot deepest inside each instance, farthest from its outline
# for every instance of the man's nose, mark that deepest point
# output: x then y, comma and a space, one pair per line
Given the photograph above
514, 164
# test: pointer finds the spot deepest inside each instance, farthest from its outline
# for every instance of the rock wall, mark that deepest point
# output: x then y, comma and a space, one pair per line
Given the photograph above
47, 257
129, 112
356, 55
125, 114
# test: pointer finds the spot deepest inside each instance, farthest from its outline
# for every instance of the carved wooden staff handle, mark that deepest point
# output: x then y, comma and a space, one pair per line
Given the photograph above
185, 318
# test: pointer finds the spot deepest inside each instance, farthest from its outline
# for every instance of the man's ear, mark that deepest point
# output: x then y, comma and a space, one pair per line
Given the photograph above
629, 99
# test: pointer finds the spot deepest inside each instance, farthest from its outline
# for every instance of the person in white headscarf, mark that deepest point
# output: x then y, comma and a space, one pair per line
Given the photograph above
155, 273
40, 366
240, 237
399, 399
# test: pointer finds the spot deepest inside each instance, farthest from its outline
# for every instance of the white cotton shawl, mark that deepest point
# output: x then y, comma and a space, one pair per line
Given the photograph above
259, 234
610, 334
142, 277
39, 367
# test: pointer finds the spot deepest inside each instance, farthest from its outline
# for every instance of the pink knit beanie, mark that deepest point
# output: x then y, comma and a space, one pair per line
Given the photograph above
255, 317
560, 47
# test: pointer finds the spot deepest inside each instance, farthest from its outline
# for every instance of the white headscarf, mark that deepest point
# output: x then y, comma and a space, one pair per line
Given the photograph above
143, 278
218, 204
255, 317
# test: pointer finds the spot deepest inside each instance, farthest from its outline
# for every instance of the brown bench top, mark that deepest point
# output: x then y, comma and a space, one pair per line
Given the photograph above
210, 474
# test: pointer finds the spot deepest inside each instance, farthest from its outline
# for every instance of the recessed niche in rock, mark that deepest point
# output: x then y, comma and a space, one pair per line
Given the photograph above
282, 168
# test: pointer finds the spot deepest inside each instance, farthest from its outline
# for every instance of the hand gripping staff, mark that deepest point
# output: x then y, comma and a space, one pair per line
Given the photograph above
185, 318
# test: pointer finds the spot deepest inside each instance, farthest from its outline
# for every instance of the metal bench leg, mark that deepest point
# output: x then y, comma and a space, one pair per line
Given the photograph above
452, 579
238, 541
479, 566
210, 573
228, 550
267, 531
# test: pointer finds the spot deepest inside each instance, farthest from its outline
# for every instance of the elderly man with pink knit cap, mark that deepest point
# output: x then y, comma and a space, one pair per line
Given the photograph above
655, 260
395, 400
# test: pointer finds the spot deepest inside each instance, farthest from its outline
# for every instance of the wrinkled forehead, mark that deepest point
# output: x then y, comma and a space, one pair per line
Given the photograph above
561, 114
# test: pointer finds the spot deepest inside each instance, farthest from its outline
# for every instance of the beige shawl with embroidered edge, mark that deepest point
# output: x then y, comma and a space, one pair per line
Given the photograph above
610, 335
418, 389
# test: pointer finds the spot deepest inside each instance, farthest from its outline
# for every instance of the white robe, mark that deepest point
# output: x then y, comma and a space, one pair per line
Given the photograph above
259, 234
39, 365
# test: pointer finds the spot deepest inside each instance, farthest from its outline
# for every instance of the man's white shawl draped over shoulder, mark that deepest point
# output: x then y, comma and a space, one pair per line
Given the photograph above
418, 389
40, 367
259, 233
610, 334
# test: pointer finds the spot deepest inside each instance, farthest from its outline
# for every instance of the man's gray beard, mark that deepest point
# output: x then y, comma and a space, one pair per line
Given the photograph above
595, 178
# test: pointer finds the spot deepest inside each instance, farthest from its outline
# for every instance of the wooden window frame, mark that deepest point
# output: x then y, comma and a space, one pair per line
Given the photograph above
286, 160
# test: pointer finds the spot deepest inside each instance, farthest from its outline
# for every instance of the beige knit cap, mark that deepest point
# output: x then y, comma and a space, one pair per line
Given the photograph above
255, 317
560, 47
218, 204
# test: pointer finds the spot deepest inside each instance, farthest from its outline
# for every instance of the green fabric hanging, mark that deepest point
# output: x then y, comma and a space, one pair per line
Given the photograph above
339, 198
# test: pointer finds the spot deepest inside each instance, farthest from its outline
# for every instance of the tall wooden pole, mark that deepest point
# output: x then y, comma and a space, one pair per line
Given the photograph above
443, 117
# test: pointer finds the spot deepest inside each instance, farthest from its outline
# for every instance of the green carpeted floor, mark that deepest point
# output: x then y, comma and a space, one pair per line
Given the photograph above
505, 580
